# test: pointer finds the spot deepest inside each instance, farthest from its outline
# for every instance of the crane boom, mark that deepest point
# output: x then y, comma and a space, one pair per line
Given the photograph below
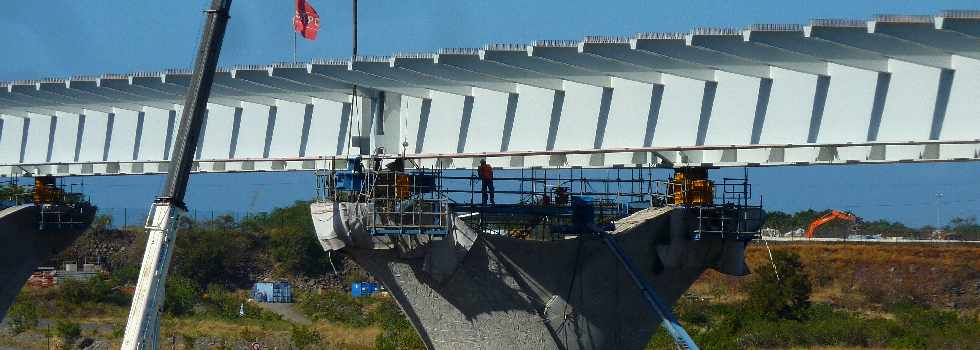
143, 325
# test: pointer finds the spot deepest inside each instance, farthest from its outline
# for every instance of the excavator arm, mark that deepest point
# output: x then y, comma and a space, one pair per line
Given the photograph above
833, 215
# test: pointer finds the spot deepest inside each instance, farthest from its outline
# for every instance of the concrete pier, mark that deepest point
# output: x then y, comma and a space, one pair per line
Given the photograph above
23, 247
497, 292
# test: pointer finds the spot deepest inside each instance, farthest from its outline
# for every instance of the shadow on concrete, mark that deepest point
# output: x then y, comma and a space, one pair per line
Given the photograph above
23, 247
571, 294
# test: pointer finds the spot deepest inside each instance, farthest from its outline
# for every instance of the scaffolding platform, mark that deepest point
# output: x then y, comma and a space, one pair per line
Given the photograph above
535, 203
399, 202
58, 204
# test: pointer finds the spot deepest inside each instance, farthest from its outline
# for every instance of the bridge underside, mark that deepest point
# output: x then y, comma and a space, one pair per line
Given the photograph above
889, 89
24, 247
479, 290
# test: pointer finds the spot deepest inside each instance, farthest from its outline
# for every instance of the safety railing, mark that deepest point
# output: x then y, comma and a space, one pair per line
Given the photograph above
406, 203
57, 204
536, 203
732, 215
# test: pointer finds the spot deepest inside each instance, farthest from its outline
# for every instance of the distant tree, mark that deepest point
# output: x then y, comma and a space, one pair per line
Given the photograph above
787, 222
289, 236
102, 222
779, 220
213, 255
786, 296
8, 192
295, 216
967, 227
125, 275
296, 252
888, 228
784, 222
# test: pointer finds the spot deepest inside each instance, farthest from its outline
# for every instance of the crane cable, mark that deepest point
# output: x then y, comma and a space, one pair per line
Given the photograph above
771, 260
577, 262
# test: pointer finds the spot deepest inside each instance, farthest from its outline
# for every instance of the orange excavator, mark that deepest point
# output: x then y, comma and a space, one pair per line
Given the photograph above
833, 215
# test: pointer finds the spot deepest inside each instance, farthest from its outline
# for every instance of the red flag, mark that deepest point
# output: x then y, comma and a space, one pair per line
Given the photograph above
306, 21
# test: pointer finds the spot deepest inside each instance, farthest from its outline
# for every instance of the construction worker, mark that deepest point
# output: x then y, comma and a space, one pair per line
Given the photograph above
486, 176
561, 196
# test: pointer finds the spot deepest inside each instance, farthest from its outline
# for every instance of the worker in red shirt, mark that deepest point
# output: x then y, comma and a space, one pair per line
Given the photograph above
486, 176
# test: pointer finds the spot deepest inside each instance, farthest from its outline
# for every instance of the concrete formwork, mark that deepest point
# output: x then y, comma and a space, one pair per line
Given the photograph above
507, 293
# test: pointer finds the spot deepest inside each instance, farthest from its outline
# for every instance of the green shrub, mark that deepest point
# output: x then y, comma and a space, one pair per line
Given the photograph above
125, 275
221, 302
786, 296
304, 337
336, 306
934, 329
68, 332
181, 297
741, 327
94, 290
23, 316
189, 340
396, 332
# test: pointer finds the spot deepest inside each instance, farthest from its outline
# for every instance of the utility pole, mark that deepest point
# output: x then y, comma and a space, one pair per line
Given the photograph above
939, 206
143, 325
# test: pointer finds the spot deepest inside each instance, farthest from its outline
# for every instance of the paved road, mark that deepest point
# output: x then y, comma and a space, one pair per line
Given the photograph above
288, 312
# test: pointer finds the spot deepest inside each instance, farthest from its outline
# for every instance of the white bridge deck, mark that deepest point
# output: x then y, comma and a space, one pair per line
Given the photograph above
889, 89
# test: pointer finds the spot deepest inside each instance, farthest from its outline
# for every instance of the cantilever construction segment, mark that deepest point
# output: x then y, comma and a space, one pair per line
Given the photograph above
24, 245
563, 259
888, 89
499, 292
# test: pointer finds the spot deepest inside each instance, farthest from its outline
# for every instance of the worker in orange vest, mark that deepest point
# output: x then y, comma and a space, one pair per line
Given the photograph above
486, 175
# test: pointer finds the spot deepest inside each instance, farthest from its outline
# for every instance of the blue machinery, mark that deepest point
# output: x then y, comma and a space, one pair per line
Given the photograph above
565, 202
272, 292
398, 202
364, 289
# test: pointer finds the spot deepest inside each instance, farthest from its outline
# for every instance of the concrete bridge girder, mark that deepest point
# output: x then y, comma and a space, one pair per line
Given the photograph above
827, 84
919, 82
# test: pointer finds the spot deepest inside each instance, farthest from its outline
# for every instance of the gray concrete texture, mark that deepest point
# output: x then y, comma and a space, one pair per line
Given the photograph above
509, 293
23, 248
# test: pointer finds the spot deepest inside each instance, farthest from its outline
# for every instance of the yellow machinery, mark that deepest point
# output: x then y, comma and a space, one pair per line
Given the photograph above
691, 187
46, 191
402, 186
392, 185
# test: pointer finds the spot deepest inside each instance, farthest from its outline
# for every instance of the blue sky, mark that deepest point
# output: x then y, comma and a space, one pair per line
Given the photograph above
59, 38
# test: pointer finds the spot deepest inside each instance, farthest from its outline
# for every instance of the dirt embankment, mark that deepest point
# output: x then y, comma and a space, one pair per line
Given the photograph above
864, 276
